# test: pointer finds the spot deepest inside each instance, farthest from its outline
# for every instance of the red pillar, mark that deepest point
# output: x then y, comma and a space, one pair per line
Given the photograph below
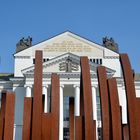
46, 126
55, 91
2, 114
27, 119
104, 100
138, 116
85, 87
71, 114
130, 95
125, 132
9, 116
37, 101
115, 110
79, 128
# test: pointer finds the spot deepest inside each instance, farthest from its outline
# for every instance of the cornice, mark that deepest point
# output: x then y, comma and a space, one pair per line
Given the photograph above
20, 81
111, 57
66, 75
23, 57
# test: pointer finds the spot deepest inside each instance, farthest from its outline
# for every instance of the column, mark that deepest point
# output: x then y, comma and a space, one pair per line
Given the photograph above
46, 98
123, 104
28, 91
94, 107
61, 114
77, 100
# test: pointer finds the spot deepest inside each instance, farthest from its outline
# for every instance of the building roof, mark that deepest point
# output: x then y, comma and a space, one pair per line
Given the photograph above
137, 76
6, 76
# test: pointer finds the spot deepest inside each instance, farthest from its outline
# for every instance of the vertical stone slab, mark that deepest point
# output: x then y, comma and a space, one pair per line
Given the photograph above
9, 116
79, 120
104, 100
94, 130
27, 119
130, 94
37, 101
55, 95
115, 110
126, 132
87, 98
46, 126
2, 114
79, 131
71, 114
138, 115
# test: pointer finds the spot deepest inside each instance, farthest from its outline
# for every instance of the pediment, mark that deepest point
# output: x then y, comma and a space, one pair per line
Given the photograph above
66, 63
66, 42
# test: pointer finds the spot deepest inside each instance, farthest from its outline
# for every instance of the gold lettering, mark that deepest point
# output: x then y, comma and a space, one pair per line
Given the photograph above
67, 46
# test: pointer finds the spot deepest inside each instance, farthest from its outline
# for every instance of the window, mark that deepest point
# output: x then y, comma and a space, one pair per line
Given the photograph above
44, 60
97, 61
90, 60
100, 61
34, 61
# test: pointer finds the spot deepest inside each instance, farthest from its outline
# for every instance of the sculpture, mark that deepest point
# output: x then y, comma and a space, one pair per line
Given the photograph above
68, 66
110, 44
24, 43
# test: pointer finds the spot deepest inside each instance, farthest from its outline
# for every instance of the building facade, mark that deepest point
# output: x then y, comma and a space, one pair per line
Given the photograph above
61, 55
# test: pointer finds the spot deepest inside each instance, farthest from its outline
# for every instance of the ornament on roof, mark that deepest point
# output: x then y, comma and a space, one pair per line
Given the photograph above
23, 44
110, 44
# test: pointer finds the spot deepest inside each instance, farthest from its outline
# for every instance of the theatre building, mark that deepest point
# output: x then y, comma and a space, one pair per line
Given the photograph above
61, 55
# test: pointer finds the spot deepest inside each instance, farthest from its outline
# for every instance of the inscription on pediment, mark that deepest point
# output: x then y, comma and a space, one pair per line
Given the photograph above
67, 46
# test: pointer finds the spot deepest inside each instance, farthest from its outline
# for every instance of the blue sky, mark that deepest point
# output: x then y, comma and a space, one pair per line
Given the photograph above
92, 19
